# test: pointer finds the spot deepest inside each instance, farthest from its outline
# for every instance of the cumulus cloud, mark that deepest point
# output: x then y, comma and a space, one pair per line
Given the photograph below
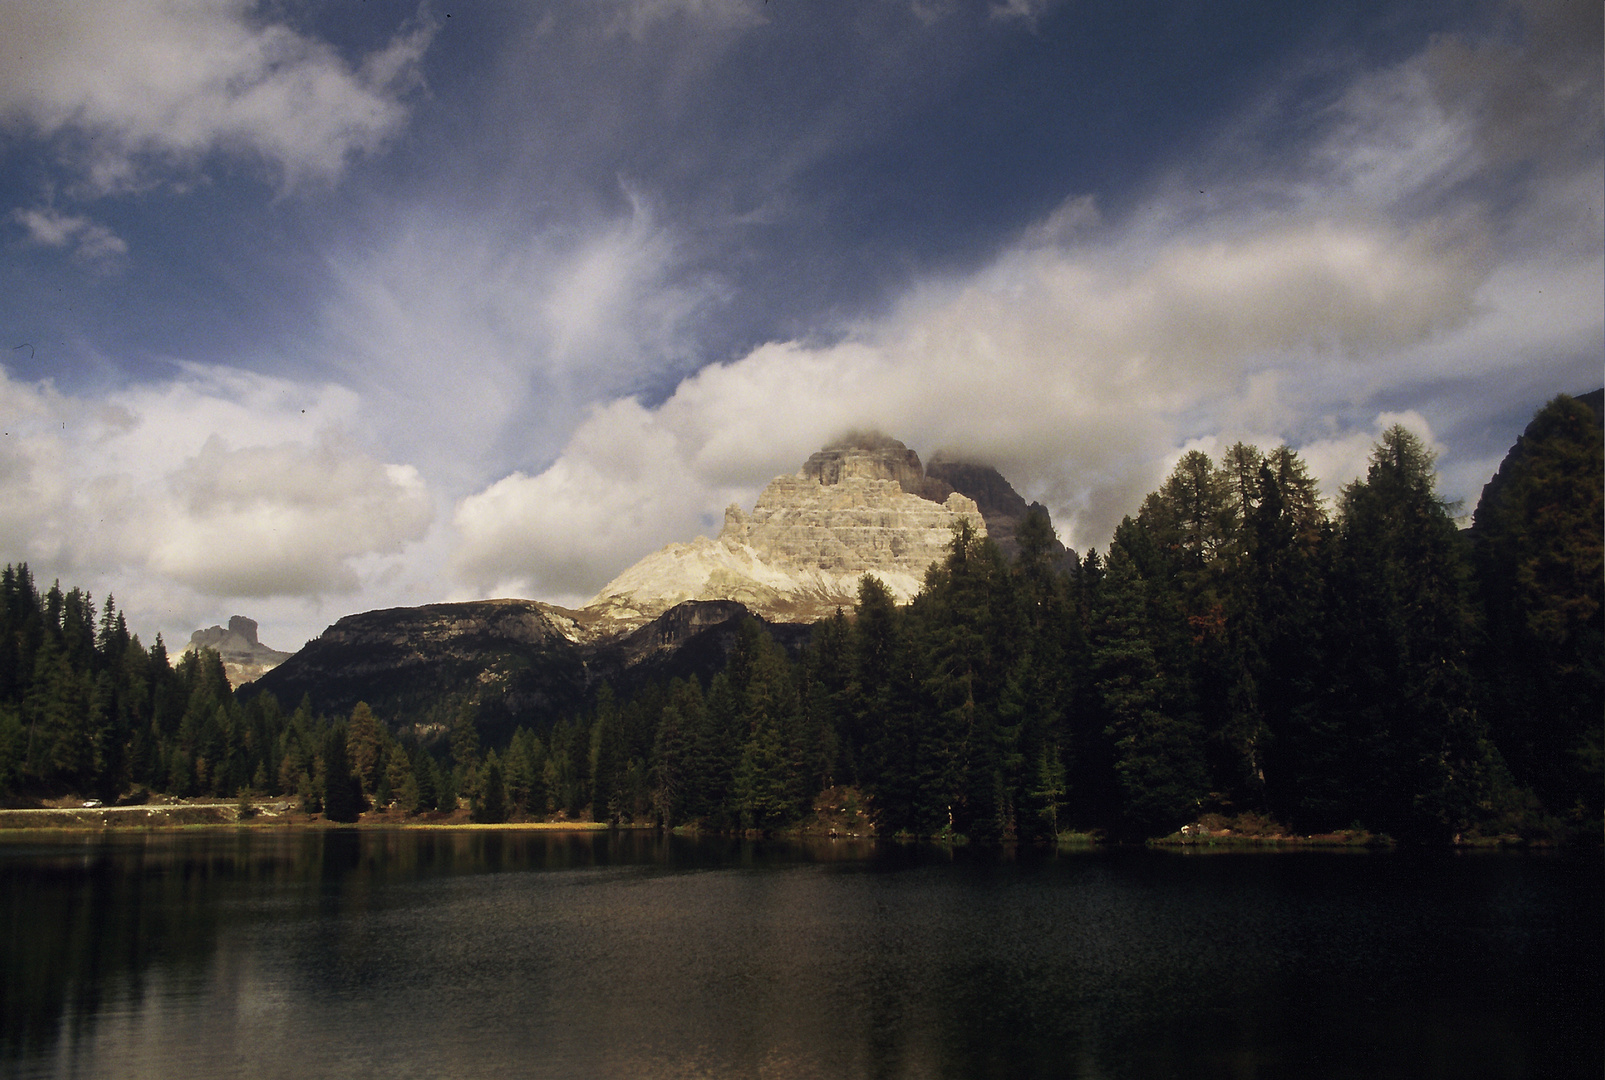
580, 521
223, 484
1369, 268
283, 519
131, 90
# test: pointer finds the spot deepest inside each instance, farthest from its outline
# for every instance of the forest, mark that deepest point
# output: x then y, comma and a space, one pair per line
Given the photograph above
1239, 649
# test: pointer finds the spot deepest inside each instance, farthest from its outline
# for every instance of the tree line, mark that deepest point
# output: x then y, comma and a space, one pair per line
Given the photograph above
1238, 650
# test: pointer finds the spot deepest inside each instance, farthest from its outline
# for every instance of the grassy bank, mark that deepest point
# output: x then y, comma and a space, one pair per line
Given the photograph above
270, 814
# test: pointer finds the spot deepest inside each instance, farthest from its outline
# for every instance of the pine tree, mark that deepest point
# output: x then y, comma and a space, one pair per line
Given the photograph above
490, 803
671, 766
342, 791
423, 791
607, 758
1273, 630
967, 629
1406, 737
364, 746
1157, 758
881, 710
769, 785
1539, 566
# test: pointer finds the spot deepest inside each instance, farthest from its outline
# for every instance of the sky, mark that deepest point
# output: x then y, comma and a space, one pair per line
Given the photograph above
308, 309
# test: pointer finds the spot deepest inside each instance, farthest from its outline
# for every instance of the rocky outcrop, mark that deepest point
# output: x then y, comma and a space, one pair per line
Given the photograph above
873, 456
861, 506
245, 659
690, 639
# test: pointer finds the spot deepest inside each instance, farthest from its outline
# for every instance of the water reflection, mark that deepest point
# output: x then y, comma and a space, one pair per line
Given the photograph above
631, 954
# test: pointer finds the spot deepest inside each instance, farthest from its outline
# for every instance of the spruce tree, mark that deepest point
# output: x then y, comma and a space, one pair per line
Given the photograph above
1407, 740
489, 805
1157, 759
1539, 558
342, 792
364, 746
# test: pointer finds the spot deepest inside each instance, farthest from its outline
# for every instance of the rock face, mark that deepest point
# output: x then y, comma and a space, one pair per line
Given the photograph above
245, 659
1002, 507
861, 506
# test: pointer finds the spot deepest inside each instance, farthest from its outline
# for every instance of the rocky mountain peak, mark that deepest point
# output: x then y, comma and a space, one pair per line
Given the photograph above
873, 456
866, 457
862, 505
244, 629
245, 658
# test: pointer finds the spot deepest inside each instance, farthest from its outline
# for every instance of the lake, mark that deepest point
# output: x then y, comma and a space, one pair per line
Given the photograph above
399, 954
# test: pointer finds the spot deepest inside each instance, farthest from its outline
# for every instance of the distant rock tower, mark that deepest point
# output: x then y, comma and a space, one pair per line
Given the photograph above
245, 659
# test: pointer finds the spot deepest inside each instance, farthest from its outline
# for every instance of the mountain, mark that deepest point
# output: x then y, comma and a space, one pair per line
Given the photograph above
860, 506
245, 659
513, 661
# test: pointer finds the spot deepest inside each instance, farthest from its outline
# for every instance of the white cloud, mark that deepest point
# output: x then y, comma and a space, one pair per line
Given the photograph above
91, 242
580, 520
282, 519
146, 86
1071, 370
217, 486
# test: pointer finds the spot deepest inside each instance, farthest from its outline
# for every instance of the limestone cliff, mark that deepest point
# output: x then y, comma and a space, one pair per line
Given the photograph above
861, 506
245, 659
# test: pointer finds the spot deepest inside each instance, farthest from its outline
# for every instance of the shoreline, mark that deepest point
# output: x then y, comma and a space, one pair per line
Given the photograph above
282, 815
264, 816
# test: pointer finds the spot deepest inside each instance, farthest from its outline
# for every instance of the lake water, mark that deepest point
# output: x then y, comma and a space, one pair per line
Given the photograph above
514, 954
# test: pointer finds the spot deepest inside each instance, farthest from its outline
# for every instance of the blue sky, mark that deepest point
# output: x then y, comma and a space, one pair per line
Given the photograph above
314, 308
